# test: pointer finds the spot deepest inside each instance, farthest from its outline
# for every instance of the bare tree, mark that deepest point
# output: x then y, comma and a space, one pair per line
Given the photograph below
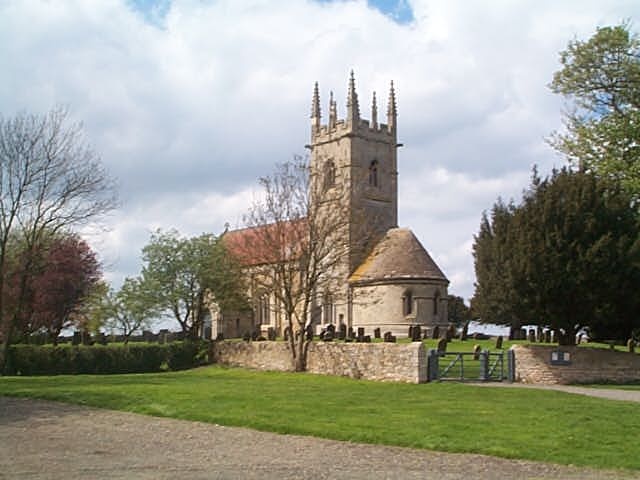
50, 181
298, 238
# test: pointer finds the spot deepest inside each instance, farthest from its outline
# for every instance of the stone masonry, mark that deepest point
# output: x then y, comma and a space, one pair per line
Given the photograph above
586, 365
369, 361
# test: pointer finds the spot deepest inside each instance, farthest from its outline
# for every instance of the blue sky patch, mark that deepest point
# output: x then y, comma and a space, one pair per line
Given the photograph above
400, 11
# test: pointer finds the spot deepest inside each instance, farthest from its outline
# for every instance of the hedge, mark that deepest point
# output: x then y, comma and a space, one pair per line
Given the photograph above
104, 359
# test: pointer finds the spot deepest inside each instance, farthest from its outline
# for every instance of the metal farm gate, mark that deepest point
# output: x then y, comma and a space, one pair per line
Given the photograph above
483, 366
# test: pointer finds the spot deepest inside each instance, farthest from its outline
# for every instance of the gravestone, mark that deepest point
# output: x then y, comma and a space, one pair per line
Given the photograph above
360, 331
366, 338
523, 334
376, 332
554, 336
309, 332
631, 345
436, 332
451, 332
219, 337
442, 345
147, 336
328, 335
246, 337
389, 337
464, 333
351, 333
499, 343
476, 351
415, 333
539, 335
532, 336
547, 336
271, 333
342, 331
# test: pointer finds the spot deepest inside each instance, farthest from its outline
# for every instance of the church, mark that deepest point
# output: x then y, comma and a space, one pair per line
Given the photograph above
384, 278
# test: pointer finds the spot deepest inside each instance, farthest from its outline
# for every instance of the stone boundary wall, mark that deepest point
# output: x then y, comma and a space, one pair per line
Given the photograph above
370, 361
585, 365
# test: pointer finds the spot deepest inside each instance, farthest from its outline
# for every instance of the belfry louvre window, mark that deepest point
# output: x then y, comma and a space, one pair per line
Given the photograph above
373, 173
329, 175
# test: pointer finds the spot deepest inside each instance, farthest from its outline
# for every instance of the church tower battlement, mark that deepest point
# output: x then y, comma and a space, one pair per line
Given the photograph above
352, 124
358, 156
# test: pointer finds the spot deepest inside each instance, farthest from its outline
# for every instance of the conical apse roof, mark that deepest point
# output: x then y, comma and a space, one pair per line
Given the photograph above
398, 256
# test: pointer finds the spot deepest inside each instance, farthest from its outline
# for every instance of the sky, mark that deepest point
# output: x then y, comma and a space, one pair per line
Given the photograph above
188, 102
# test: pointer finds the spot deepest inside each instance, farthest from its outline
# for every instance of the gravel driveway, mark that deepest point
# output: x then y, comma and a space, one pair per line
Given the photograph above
50, 440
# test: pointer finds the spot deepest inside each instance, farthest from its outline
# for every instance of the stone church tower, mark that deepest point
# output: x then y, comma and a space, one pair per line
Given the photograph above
360, 156
381, 277
387, 279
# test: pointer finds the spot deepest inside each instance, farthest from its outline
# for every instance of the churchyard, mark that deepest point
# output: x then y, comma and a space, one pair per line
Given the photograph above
532, 424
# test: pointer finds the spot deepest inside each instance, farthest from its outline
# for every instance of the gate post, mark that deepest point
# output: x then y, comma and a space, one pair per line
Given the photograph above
433, 367
511, 365
484, 365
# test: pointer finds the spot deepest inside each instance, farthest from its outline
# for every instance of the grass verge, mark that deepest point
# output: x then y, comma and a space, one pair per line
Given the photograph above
513, 423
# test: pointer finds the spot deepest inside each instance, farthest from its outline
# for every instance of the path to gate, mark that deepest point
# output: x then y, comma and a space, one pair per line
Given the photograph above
609, 393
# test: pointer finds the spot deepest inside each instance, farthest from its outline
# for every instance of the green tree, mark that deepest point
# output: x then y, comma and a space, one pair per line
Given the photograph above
600, 78
457, 310
51, 181
567, 257
130, 309
182, 275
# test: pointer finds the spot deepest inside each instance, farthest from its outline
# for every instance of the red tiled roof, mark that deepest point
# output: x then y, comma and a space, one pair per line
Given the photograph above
266, 244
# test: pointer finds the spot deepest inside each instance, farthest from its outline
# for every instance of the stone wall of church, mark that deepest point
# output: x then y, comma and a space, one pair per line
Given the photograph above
538, 364
370, 361
381, 306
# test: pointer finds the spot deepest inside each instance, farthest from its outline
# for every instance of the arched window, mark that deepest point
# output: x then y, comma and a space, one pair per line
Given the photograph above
327, 309
329, 179
436, 301
263, 310
407, 303
373, 173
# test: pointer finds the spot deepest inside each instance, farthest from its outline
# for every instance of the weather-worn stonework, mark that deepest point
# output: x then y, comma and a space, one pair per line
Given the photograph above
536, 364
369, 361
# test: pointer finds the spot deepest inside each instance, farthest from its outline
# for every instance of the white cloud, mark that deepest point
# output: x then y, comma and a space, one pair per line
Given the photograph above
187, 110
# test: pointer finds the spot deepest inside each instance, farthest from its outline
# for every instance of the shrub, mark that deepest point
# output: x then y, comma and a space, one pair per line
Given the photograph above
104, 359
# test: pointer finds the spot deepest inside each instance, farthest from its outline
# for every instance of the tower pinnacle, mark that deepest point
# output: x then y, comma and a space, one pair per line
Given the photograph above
392, 113
353, 109
315, 110
374, 113
333, 112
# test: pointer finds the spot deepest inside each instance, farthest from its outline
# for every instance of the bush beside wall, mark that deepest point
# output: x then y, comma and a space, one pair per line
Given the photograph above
101, 359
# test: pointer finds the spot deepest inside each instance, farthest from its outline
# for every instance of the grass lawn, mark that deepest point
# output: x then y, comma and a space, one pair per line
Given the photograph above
514, 423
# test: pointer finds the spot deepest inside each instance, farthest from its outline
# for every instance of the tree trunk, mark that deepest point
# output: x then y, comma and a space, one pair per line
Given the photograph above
4, 352
302, 347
